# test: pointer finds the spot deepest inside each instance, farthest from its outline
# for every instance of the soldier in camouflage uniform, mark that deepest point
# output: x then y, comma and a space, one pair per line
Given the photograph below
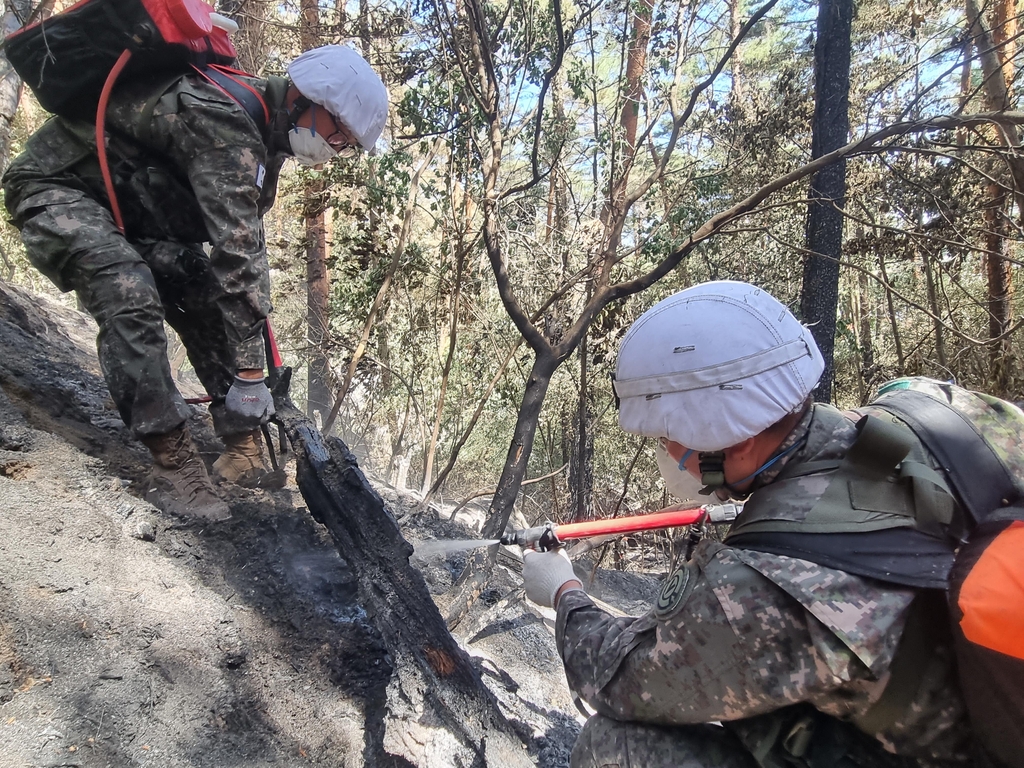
190, 167
748, 659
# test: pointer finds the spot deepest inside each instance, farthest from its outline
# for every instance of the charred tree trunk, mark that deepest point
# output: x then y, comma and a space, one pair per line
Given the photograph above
820, 296
478, 569
435, 710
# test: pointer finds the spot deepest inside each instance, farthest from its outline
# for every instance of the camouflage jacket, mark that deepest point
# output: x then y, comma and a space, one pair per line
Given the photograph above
737, 633
189, 167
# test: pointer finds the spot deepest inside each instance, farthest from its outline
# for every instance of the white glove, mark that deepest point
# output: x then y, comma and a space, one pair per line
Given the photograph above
544, 573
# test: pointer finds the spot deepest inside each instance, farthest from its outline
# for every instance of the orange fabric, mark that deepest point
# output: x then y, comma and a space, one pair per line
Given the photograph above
992, 596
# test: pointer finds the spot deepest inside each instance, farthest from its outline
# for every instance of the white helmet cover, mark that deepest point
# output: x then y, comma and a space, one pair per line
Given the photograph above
342, 82
713, 365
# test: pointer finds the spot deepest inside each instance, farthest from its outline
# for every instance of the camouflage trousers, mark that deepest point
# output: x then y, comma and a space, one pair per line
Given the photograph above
791, 737
130, 289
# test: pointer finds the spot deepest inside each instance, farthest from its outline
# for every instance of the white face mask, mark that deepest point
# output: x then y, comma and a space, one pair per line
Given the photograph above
678, 482
309, 147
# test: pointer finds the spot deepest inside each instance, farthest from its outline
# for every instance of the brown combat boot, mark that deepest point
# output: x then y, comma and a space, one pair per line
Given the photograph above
179, 482
242, 462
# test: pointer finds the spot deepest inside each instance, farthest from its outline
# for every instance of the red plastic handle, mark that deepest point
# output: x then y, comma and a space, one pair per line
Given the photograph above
672, 519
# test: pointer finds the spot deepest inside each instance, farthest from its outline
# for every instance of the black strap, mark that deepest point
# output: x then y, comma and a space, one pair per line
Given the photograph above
979, 478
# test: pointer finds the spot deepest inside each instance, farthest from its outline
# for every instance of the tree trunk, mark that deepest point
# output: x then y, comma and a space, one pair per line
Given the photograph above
636, 63
453, 327
478, 569
998, 71
998, 267
736, 64
434, 709
820, 295
581, 455
317, 280
933, 307
317, 295
894, 326
865, 345
15, 14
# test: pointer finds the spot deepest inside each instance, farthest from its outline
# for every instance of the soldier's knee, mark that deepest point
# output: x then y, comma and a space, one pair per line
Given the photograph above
120, 292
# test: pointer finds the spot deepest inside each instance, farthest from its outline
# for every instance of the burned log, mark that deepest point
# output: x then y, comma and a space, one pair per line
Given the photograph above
437, 711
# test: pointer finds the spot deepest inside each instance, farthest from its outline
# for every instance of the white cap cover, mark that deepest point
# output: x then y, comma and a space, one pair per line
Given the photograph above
710, 366
341, 81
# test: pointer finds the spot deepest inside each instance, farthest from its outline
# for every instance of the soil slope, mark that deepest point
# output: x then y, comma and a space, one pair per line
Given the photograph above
129, 637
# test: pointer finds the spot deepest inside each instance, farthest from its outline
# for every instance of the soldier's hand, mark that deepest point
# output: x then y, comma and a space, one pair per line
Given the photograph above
249, 403
545, 573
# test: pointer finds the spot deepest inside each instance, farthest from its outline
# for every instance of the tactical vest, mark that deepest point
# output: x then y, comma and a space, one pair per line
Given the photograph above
881, 512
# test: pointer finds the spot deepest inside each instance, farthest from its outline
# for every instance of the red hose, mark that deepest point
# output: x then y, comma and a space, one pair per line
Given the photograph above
101, 145
674, 519
275, 355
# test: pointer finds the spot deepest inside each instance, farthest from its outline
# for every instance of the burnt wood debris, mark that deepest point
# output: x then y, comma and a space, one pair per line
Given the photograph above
436, 709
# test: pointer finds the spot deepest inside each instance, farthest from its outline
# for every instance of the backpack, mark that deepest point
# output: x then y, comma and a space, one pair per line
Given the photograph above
957, 536
68, 58
979, 439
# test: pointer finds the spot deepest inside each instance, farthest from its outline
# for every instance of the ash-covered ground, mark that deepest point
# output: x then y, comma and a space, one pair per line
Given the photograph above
129, 637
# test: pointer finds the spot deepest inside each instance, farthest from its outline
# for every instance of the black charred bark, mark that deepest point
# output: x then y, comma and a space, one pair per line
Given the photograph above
435, 710
830, 131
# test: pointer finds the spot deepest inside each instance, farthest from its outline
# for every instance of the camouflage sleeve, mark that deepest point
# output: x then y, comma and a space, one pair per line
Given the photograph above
224, 158
723, 643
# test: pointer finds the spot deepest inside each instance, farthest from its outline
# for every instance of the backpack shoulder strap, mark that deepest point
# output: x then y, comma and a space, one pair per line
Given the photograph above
979, 478
247, 97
